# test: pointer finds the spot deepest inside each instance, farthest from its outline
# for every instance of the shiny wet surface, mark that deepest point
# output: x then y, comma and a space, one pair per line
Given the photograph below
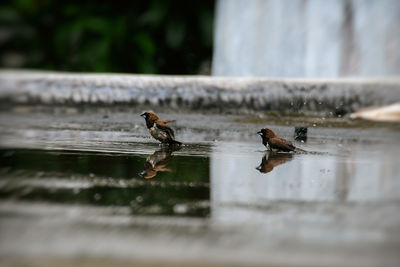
100, 179
96, 186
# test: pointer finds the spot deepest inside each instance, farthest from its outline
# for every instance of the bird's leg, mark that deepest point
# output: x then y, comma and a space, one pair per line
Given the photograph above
268, 147
267, 154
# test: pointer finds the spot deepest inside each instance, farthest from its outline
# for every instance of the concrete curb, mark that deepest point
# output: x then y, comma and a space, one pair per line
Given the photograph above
338, 96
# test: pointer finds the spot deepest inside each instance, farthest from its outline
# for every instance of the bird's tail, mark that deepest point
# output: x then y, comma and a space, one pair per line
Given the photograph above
300, 150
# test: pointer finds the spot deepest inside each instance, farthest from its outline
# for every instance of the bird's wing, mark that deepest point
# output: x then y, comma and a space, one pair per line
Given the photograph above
162, 125
166, 121
282, 144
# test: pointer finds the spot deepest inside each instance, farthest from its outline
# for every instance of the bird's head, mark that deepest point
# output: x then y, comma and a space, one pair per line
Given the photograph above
148, 173
149, 116
266, 133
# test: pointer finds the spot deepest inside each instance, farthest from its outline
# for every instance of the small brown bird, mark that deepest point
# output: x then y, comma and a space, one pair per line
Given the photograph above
159, 129
271, 160
157, 162
274, 142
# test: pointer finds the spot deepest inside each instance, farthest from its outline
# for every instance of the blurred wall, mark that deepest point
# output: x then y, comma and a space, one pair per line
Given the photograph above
307, 38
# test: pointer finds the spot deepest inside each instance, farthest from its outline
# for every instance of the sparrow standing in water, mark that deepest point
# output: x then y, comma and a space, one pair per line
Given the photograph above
159, 129
274, 142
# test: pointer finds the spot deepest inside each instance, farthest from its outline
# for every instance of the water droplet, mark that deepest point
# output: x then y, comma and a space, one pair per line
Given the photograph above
181, 208
76, 191
97, 196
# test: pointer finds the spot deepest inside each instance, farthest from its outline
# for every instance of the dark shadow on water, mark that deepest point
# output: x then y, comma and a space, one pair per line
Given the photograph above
101, 179
272, 159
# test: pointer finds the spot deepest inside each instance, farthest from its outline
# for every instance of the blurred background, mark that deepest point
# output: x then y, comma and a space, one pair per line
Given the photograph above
156, 36
271, 38
311, 38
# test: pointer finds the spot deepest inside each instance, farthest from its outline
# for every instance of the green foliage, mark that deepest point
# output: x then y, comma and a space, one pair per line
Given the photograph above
157, 36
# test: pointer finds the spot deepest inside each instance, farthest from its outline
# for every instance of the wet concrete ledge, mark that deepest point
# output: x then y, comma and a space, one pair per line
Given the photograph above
338, 96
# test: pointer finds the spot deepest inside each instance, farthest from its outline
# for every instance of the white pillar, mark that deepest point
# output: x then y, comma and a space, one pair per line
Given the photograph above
307, 38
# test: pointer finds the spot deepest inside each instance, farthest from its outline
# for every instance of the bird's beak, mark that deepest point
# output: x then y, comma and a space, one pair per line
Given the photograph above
143, 115
260, 133
259, 168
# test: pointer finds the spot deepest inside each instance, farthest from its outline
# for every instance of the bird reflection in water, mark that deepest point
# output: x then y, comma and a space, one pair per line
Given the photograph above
273, 159
157, 162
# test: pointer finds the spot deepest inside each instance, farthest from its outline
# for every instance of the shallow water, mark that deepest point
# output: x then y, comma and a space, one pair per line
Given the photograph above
106, 179
97, 186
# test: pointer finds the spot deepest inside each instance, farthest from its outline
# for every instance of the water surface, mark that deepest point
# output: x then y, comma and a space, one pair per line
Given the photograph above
73, 185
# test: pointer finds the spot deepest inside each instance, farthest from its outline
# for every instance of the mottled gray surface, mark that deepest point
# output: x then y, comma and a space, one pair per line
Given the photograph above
197, 92
307, 38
